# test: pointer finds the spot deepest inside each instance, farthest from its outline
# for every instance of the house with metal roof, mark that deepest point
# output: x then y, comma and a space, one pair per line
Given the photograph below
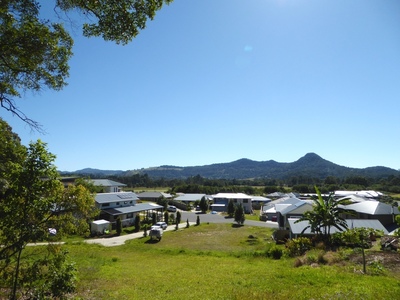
153, 196
123, 205
302, 228
107, 185
189, 197
370, 210
221, 200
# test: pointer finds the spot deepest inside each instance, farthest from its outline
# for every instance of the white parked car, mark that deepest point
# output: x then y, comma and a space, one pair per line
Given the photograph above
171, 208
163, 225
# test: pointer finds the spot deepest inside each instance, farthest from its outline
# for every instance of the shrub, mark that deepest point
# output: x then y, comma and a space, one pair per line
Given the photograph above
298, 246
119, 226
275, 252
198, 221
356, 237
145, 231
137, 223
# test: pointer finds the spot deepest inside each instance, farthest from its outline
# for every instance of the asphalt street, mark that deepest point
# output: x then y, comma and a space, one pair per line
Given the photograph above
216, 218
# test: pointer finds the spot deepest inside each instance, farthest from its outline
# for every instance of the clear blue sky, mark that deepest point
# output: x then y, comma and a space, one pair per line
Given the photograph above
213, 81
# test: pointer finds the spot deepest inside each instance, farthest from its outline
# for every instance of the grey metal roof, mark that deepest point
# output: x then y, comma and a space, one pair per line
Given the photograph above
115, 197
153, 195
132, 209
373, 208
190, 197
260, 199
297, 228
295, 206
106, 182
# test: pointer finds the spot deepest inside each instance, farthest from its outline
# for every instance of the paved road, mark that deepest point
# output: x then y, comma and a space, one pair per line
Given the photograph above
191, 216
216, 218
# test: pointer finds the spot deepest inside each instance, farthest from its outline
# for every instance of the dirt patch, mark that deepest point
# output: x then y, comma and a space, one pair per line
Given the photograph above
390, 260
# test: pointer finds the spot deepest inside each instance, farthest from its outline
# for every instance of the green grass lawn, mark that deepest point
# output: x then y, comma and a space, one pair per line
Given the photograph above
215, 261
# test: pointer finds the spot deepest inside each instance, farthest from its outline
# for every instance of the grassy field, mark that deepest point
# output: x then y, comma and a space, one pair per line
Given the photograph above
216, 261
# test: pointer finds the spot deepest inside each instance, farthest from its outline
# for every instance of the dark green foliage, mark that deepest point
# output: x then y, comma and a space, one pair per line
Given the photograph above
145, 230
166, 217
239, 214
203, 204
275, 252
231, 208
178, 217
29, 206
172, 218
118, 225
137, 223
198, 220
187, 223
154, 218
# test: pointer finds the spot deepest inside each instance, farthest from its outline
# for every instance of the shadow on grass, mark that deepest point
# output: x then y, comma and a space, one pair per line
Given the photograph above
129, 231
235, 225
151, 241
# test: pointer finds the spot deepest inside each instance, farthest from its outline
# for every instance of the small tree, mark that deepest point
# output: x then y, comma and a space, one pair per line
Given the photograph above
203, 204
198, 221
231, 208
154, 218
119, 226
137, 223
187, 223
166, 217
178, 217
145, 230
239, 214
172, 218
176, 225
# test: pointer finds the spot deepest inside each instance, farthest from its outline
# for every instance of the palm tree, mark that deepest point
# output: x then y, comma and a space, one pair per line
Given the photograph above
325, 215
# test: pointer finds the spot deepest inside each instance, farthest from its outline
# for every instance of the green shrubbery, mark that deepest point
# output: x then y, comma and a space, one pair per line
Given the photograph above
298, 246
356, 237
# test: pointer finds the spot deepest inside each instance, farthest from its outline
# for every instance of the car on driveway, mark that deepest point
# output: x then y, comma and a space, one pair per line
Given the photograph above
163, 225
171, 208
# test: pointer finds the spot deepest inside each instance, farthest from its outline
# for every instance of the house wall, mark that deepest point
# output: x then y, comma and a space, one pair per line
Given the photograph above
246, 203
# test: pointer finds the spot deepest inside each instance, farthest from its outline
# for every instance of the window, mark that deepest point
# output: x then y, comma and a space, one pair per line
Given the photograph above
245, 200
117, 203
129, 216
105, 205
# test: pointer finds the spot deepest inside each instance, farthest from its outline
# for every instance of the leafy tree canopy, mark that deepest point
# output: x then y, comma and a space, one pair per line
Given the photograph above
34, 52
32, 201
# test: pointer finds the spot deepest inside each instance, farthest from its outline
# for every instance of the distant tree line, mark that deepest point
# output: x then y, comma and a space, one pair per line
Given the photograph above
260, 186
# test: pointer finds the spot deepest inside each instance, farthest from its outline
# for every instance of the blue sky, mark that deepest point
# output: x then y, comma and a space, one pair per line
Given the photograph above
214, 81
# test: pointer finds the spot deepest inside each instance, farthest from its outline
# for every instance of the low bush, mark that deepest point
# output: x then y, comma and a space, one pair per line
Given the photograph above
298, 246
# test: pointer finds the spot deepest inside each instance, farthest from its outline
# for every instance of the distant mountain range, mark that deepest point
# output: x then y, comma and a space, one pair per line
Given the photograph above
310, 165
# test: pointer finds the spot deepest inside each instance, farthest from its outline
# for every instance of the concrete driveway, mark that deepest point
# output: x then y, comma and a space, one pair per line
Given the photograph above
120, 240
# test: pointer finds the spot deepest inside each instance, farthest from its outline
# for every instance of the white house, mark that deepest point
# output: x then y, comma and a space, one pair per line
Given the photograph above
123, 205
221, 200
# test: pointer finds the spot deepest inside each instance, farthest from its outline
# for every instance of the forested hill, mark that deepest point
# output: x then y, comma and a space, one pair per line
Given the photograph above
310, 165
